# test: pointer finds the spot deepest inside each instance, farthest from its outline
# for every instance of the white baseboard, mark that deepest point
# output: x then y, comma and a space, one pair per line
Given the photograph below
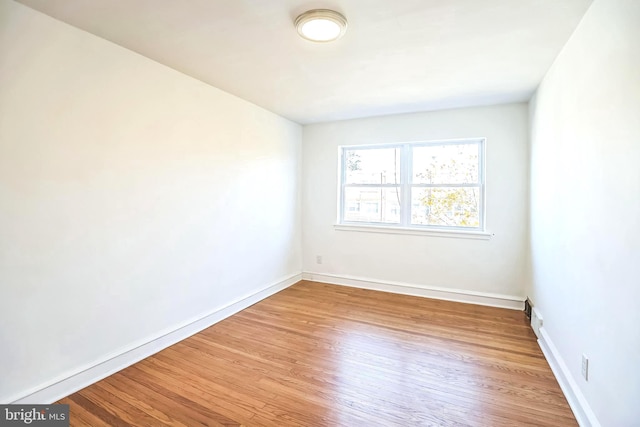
82, 377
458, 295
579, 405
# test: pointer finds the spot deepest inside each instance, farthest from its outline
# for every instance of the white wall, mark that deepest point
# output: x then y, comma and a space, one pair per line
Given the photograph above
585, 200
489, 266
132, 198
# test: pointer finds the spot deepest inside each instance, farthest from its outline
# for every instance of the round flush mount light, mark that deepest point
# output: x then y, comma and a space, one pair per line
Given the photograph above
321, 25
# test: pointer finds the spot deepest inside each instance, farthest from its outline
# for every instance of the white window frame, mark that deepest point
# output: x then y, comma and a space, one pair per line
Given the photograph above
405, 185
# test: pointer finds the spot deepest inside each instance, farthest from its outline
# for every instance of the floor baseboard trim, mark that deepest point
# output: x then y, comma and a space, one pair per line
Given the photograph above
579, 405
458, 295
69, 383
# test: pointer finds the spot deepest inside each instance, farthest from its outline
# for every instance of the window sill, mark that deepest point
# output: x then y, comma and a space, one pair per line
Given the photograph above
454, 234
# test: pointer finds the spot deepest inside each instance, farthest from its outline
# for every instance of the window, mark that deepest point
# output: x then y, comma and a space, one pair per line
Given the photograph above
415, 185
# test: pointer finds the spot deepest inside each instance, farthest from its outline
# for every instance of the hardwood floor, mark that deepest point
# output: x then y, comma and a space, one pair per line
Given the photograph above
325, 355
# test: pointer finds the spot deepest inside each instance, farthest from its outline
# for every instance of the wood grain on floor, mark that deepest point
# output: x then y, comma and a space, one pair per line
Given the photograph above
325, 355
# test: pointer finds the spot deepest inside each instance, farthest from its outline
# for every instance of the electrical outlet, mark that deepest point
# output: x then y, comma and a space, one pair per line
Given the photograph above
318, 259
585, 367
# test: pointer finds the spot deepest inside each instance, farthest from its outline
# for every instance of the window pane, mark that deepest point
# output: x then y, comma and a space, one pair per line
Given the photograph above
373, 166
372, 204
446, 207
446, 164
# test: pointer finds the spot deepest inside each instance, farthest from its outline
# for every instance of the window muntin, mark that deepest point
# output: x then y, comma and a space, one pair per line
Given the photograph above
418, 185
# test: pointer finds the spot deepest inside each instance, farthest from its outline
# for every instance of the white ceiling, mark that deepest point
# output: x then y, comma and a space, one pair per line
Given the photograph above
397, 55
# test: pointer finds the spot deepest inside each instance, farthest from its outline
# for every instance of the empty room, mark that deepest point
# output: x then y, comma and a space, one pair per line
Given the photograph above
320, 213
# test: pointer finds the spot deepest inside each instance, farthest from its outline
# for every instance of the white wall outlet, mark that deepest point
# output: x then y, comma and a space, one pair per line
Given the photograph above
585, 367
318, 259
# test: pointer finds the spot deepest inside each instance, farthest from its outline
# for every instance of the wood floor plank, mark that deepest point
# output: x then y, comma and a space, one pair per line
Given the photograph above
81, 416
325, 355
189, 411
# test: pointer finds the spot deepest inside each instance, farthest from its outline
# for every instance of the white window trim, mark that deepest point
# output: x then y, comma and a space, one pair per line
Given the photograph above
406, 162
414, 231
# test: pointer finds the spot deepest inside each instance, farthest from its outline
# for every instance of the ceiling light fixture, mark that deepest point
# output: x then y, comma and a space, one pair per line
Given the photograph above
321, 25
